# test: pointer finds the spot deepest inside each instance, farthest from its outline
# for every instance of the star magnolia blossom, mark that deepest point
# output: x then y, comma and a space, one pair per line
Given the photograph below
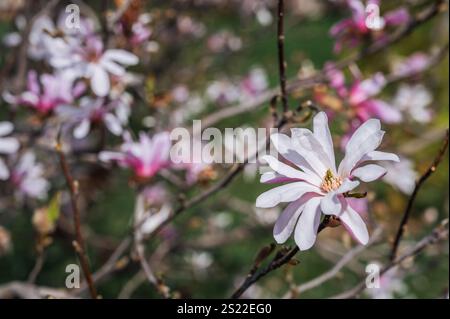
52, 91
146, 157
93, 62
315, 186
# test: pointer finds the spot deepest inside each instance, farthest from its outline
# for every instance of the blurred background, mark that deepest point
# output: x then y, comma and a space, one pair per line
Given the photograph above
200, 57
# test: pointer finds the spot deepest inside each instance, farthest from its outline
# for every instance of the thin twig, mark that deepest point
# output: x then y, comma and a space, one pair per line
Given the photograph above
79, 241
281, 57
438, 234
279, 260
349, 256
431, 169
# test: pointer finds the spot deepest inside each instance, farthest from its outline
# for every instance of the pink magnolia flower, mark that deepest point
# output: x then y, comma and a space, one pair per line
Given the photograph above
45, 95
314, 185
28, 177
113, 115
8, 145
361, 97
145, 157
352, 31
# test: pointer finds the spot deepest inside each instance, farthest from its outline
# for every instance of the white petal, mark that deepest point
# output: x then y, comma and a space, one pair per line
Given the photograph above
365, 139
380, 156
6, 128
323, 135
113, 124
287, 170
330, 204
113, 67
121, 56
308, 225
82, 130
347, 185
100, 81
107, 156
354, 224
283, 145
4, 171
312, 151
369, 172
286, 221
284, 193
9, 145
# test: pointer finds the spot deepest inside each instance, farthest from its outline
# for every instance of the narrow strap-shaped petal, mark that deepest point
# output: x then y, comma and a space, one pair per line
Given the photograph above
369, 173
308, 225
284, 193
323, 135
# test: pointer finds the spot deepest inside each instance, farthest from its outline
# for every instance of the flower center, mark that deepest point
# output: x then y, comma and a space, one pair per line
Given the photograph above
330, 182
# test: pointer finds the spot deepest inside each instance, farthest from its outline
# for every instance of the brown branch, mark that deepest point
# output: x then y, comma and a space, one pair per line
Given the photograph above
320, 77
279, 260
281, 56
78, 243
431, 169
330, 274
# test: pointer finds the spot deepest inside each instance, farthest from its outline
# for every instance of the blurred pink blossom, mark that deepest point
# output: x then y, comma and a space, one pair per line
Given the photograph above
145, 157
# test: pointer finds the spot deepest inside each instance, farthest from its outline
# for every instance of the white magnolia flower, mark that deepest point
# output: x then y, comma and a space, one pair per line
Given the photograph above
314, 185
93, 62
8, 145
401, 176
414, 100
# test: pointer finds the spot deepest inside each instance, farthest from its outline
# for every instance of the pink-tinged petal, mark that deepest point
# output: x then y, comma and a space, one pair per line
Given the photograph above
113, 124
369, 173
9, 145
397, 17
354, 224
323, 135
384, 111
82, 130
6, 128
285, 193
283, 145
286, 221
347, 185
121, 56
308, 225
360, 205
32, 82
365, 139
288, 171
307, 146
4, 171
340, 27
380, 156
330, 204
99, 81
274, 177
